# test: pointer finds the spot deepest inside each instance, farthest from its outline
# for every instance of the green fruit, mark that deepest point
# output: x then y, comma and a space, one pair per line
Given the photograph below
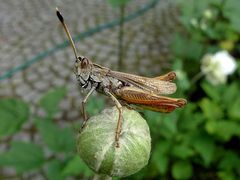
96, 143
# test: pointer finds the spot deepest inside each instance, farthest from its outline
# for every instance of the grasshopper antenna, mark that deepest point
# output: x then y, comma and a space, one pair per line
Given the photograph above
60, 17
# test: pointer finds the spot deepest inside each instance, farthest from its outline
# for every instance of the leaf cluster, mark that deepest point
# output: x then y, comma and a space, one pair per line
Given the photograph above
54, 154
202, 140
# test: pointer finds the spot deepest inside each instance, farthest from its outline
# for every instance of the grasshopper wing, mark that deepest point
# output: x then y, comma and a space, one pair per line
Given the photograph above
156, 85
134, 95
167, 77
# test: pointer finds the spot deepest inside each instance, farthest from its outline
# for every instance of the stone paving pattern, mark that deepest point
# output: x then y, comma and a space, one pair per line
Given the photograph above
31, 27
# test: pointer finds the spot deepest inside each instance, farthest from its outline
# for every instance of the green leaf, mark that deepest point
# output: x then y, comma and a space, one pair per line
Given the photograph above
182, 170
230, 161
159, 157
211, 91
186, 52
117, 3
182, 151
57, 139
76, 166
161, 162
23, 156
170, 122
210, 127
227, 175
95, 105
231, 10
54, 169
234, 109
189, 118
163, 147
155, 120
224, 129
230, 94
13, 113
210, 109
205, 146
183, 82
191, 8
50, 101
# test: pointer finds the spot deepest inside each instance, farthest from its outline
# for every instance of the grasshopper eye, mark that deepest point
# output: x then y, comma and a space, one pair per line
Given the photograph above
84, 63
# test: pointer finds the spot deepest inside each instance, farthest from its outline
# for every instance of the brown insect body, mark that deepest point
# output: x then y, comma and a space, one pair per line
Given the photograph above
132, 89
92, 75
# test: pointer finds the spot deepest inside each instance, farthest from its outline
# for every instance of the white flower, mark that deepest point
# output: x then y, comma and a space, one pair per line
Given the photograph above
218, 66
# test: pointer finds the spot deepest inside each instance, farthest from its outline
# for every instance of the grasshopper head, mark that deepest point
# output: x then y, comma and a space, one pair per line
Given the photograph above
82, 68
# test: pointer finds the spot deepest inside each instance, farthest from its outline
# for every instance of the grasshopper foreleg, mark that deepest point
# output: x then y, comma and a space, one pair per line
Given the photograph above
120, 117
83, 106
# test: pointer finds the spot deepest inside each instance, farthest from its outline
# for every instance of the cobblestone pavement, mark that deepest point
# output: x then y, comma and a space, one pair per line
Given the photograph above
31, 27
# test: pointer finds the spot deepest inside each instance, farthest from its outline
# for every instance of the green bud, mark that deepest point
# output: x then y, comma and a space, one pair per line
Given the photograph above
96, 143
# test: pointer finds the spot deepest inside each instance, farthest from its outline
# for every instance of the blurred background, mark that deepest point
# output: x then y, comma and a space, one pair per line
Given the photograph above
40, 98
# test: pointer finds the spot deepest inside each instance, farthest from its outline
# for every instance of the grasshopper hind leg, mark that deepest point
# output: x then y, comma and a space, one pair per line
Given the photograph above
120, 117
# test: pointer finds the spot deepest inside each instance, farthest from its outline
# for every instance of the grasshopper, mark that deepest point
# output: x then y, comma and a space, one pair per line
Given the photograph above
129, 88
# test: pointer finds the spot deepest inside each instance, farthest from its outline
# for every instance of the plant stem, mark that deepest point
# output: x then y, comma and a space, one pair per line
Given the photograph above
120, 38
197, 77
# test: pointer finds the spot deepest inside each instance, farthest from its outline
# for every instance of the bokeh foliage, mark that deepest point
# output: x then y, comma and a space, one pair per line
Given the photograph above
54, 154
202, 140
